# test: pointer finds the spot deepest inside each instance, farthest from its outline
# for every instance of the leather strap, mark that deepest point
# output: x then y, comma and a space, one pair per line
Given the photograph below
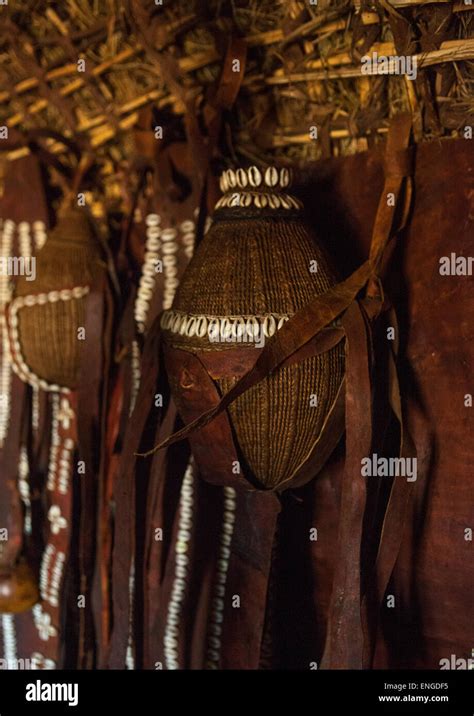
248, 577
125, 497
344, 643
398, 511
90, 426
153, 571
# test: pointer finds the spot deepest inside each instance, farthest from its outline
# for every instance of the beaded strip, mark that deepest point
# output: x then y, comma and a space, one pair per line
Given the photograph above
142, 304
44, 570
39, 233
226, 326
130, 656
24, 487
169, 248
136, 375
175, 606
262, 200
25, 249
170, 266
148, 275
43, 624
217, 613
55, 442
54, 557
9, 641
35, 408
38, 661
188, 229
254, 178
253, 187
5, 364
65, 465
52, 595
51, 573
24, 238
18, 364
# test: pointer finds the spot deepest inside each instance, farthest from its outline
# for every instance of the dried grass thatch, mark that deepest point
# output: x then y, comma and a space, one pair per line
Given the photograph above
303, 70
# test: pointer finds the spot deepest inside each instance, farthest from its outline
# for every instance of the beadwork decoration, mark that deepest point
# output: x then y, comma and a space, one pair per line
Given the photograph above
159, 243
24, 488
58, 522
9, 640
257, 189
178, 592
40, 662
189, 325
43, 624
6, 244
19, 364
148, 274
44, 325
217, 613
39, 233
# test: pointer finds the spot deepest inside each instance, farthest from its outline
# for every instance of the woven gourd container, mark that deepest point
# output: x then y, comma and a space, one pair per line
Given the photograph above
257, 265
46, 313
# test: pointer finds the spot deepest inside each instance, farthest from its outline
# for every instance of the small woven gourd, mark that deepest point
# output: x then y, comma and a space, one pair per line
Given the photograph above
46, 314
257, 265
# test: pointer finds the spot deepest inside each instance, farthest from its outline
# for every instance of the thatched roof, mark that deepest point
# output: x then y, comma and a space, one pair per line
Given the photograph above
303, 69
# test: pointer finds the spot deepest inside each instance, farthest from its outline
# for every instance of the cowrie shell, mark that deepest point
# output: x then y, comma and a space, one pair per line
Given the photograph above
271, 176
255, 176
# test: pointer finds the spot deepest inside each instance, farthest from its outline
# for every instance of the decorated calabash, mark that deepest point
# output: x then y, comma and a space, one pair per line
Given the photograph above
259, 263
46, 313
43, 319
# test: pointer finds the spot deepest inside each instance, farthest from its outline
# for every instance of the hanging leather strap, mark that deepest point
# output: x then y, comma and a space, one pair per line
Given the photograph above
153, 559
90, 427
397, 513
248, 578
125, 497
344, 642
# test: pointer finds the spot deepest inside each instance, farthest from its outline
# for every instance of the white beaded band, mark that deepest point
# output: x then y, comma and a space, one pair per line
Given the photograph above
254, 178
9, 641
261, 200
39, 233
159, 242
6, 245
200, 326
214, 632
40, 662
170, 266
178, 592
24, 487
43, 623
148, 275
254, 187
